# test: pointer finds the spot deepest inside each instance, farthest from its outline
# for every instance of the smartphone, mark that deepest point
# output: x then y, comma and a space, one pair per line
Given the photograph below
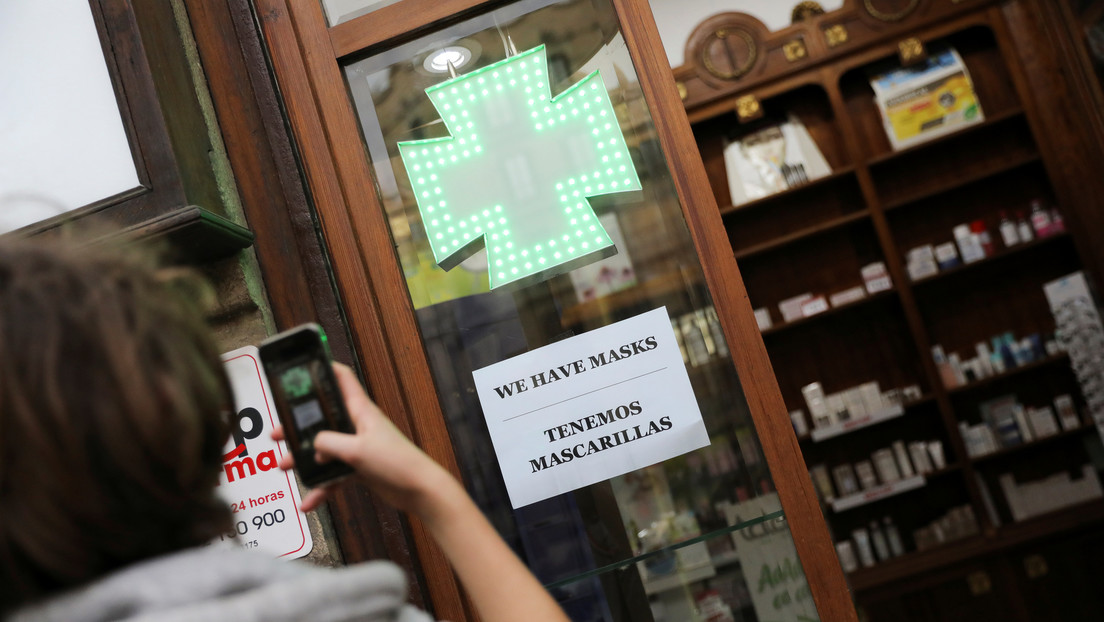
308, 399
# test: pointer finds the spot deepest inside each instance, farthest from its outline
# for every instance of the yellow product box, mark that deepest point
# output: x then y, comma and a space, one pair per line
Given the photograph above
929, 100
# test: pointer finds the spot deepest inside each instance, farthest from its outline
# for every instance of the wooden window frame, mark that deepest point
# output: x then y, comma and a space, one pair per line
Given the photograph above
177, 197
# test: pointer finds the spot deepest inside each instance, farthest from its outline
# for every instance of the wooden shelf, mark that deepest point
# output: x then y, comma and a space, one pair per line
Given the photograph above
911, 564
664, 285
883, 491
789, 193
989, 122
808, 232
869, 298
1022, 369
1009, 252
820, 435
961, 182
1015, 449
856, 424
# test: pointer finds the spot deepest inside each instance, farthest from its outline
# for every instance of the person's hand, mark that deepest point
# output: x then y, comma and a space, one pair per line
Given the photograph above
401, 473
501, 586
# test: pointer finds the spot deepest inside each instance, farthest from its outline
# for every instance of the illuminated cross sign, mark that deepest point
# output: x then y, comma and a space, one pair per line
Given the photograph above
517, 171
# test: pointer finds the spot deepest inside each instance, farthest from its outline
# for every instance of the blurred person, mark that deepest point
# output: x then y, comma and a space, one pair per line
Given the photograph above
114, 409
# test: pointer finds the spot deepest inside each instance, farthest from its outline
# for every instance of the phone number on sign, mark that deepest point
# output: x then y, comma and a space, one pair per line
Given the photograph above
260, 521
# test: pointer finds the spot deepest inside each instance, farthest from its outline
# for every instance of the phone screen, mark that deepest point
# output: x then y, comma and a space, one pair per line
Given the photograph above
307, 396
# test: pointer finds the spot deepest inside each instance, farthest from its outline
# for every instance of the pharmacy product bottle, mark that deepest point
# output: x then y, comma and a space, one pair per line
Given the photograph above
1023, 228
1008, 230
881, 547
1057, 224
896, 546
1040, 219
978, 228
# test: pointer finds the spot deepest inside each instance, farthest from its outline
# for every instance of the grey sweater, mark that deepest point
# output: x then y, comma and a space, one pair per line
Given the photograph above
211, 585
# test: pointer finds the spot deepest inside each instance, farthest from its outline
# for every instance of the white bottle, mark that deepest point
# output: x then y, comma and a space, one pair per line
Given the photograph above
1008, 231
1024, 229
896, 546
1040, 219
881, 547
862, 545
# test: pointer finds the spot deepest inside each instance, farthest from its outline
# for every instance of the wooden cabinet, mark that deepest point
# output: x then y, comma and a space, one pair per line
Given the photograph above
876, 204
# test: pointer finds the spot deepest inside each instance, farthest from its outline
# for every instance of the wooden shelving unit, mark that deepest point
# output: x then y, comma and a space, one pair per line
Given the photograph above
875, 206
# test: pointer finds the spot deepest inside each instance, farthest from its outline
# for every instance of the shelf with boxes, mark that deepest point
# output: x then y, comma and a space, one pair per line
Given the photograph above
888, 471
1013, 373
854, 424
925, 274
849, 293
1039, 442
1006, 424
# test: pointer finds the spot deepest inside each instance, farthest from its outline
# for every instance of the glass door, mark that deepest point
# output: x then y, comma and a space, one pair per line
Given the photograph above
534, 213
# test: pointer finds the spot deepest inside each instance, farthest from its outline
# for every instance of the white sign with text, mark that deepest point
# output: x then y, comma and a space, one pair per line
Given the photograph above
589, 408
264, 498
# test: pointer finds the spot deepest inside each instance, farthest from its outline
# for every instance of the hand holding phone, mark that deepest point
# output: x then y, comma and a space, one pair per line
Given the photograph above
405, 477
308, 398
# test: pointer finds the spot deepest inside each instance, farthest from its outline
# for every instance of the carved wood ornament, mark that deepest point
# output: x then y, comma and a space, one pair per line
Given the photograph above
890, 10
728, 53
726, 47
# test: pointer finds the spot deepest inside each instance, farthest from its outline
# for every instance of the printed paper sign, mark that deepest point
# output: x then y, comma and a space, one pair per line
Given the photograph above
589, 408
264, 499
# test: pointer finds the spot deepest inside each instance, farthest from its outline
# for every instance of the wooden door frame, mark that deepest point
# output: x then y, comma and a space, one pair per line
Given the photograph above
306, 56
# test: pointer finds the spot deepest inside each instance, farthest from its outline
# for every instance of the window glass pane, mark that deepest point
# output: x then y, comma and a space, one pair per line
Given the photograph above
692, 537
62, 142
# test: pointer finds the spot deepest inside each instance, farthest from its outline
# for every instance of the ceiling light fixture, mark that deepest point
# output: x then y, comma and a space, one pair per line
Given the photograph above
438, 62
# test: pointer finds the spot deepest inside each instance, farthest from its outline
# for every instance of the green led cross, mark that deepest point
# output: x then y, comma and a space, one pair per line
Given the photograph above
518, 169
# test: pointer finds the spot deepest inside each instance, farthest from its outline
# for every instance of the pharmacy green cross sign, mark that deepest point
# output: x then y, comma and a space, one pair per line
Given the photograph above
518, 169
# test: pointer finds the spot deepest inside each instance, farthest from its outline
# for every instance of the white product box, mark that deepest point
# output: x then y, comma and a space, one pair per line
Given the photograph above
813, 306
871, 395
876, 278
791, 307
847, 296
763, 318
1042, 421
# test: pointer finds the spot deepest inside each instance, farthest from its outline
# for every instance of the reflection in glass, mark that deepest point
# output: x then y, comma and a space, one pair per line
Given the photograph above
701, 536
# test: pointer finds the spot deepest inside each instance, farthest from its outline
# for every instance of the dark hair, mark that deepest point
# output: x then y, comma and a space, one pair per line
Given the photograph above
113, 403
